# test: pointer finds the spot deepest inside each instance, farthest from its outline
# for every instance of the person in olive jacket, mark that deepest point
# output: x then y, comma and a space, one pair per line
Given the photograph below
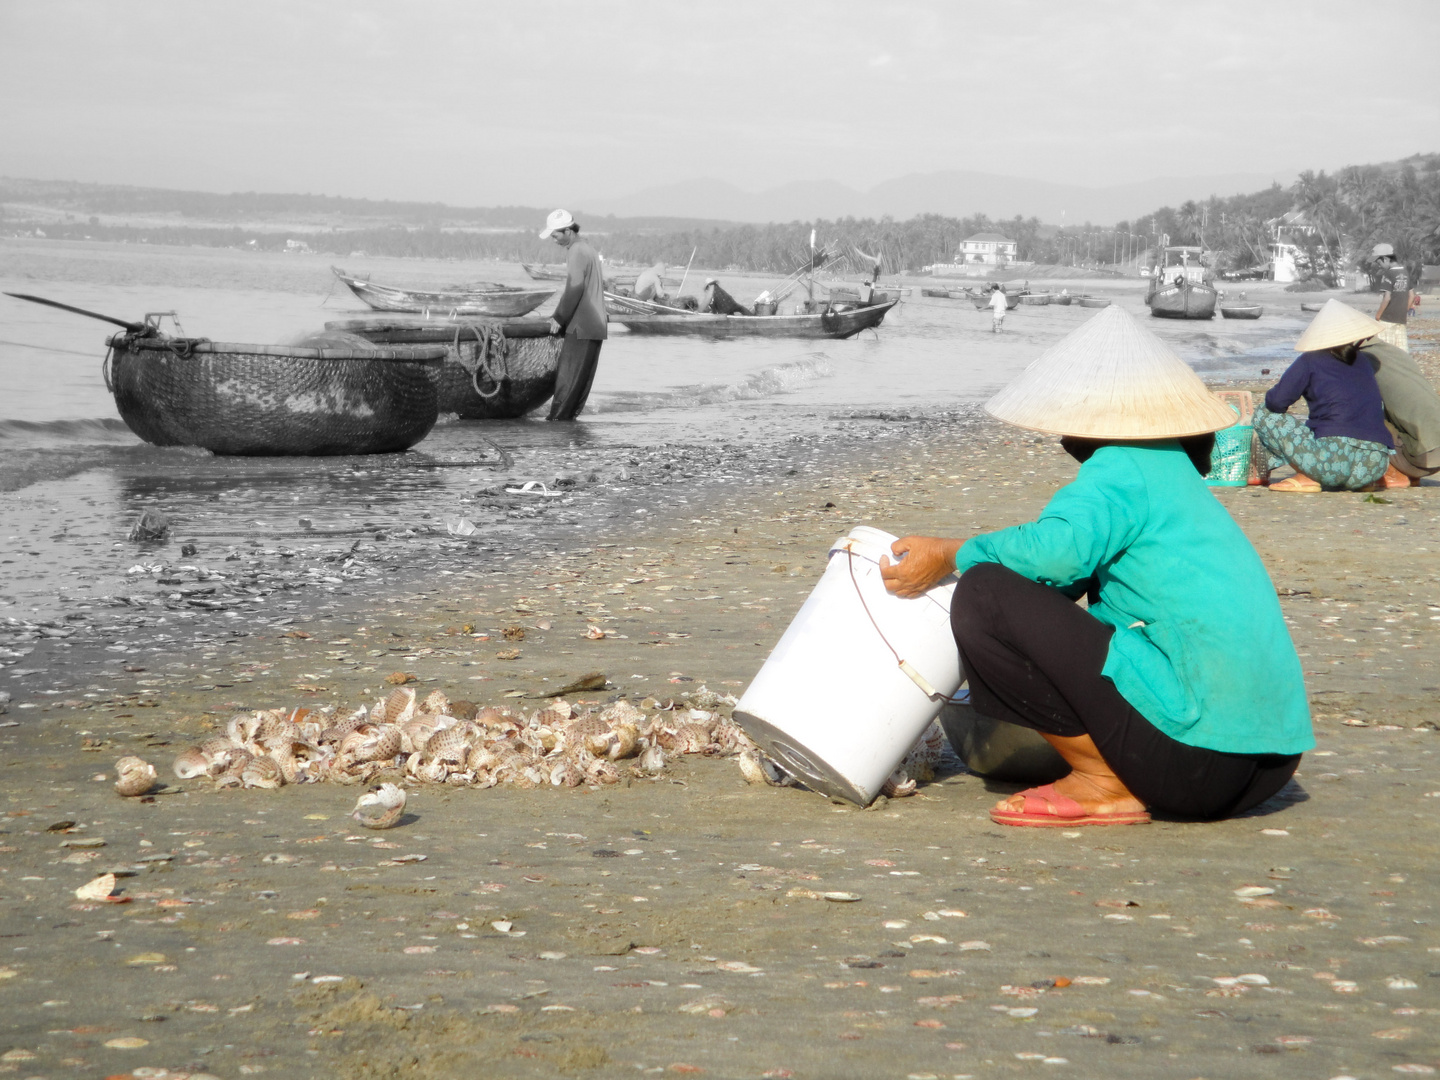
580, 316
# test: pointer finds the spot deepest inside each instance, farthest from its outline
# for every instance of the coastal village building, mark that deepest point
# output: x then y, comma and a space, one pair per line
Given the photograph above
988, 249
1283, 248
983, 252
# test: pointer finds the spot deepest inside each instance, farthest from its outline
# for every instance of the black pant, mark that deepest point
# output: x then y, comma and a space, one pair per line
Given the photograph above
1034, 658
578, 360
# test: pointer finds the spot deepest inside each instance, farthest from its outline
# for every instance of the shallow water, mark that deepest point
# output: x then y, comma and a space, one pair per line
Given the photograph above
75, 478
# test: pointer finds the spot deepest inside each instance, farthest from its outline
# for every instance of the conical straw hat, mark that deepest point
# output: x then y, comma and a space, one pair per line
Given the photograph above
1336, 324
1111, 379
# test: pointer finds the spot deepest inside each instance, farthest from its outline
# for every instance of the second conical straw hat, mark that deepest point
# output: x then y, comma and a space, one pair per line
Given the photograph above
1111, 379
1337, 324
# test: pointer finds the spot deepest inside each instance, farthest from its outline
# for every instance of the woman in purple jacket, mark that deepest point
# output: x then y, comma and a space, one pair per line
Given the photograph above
1344, 444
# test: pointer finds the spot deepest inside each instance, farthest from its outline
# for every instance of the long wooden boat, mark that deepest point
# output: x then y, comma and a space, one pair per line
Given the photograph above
1241, 311
982, 300
1092, 301
840, 321
1183, 300
496, 301
544, 273
273, 399
492, 370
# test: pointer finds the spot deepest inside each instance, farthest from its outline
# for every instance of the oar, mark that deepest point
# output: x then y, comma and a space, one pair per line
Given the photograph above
133, 327
685, 275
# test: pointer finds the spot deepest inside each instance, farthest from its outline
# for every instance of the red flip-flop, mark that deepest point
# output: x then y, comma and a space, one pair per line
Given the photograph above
1046, 808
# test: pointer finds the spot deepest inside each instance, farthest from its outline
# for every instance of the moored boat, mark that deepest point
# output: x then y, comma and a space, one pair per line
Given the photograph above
492, 370
496, 301
1241, 311
1035, 299
833, 321
1093, 301
981, 300
1179, 289
1311, 307
943, 294
273, 399
1063, 299
544, 273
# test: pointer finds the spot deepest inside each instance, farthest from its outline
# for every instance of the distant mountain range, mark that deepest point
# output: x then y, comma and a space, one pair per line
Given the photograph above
953, 194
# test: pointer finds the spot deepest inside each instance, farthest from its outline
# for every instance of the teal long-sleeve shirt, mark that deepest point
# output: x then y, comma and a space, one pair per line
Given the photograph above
1200, 647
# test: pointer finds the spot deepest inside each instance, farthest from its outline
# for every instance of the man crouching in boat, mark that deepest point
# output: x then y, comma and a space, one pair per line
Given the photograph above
580, 316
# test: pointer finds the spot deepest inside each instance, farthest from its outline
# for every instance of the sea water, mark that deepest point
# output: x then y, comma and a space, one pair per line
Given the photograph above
73, 478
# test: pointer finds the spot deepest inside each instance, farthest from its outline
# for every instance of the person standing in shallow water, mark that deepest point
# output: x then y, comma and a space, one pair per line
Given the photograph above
580, 316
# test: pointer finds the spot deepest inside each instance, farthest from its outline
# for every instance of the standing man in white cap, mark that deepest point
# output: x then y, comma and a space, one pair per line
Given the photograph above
1394, 309
580, 316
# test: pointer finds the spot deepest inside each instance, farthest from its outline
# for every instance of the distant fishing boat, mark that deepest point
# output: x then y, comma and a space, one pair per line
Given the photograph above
1092, 301
1178, 289
492, 370
944, 294
1311, 307
828, 321
496, 301
981, 300
544, 273
1063, 299
1035, 299
1241, 311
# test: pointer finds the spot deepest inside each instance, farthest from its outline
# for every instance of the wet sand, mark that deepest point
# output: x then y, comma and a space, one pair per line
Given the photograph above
651, 925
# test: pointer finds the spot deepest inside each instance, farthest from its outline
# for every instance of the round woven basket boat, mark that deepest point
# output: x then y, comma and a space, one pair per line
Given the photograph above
493, 370
274, 399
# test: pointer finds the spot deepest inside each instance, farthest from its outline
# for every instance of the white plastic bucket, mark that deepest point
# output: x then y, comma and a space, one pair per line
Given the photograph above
832, 703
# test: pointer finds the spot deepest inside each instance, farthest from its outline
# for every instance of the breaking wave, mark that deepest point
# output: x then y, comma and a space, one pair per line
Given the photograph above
37, 433
766, 383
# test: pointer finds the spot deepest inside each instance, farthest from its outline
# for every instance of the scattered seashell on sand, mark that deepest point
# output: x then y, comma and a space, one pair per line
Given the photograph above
381, 807
136, 776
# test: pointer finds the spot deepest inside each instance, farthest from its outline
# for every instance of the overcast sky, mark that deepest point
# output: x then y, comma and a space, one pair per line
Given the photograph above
543, 102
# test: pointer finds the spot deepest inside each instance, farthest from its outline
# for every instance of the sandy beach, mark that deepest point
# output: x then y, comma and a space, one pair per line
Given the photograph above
665, 925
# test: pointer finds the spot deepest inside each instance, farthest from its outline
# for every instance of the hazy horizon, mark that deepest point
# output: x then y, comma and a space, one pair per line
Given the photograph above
561, 103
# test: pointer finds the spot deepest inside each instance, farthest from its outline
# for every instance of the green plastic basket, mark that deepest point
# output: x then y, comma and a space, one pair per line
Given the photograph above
1230, 461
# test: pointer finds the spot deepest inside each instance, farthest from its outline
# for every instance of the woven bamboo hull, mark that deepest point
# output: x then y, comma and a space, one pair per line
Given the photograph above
1063, 301
982, 300
274, 400
532, 358
499, 301
838, 324
1035, 299
1242, 311
1092, 301
1188, 300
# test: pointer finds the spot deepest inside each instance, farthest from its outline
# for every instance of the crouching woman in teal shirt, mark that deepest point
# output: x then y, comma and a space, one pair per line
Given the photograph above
1178, 689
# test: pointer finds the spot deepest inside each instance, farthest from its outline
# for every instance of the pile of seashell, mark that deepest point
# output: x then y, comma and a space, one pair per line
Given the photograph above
408, 739
434, 740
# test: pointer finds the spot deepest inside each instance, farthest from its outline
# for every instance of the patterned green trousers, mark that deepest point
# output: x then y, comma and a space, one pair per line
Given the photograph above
1334, 461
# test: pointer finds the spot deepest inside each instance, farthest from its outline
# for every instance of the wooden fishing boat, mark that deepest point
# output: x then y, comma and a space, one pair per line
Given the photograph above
1092, 301
492, 370
496, 301
943, 294
981, 300
1035, 299
1178, 287
1311, 307
1241, 311
834, 321
1062, 299
273, 399
544, 273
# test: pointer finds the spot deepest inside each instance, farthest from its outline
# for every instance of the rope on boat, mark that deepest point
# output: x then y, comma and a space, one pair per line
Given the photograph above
489, 357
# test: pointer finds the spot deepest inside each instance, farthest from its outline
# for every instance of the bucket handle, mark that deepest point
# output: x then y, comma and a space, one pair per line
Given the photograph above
909, 669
